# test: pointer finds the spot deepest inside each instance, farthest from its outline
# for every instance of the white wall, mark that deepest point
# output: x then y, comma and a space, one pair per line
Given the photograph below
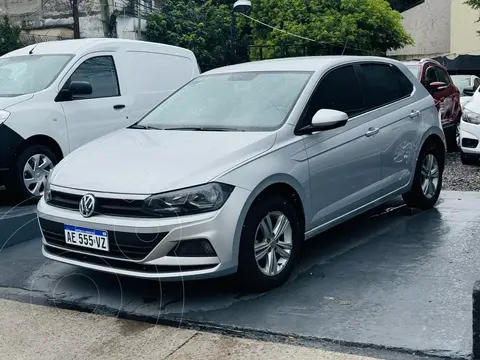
429, 25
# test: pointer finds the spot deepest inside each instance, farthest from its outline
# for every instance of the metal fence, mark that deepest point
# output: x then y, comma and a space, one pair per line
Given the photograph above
29, 39
262, 52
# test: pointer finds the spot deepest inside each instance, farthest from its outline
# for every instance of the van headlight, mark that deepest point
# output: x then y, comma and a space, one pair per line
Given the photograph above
4, 114
194, 200
471, 117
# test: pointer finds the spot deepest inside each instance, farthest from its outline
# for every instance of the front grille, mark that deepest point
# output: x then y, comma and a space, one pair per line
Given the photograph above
469, 143
103, 206
125, 265
122, 245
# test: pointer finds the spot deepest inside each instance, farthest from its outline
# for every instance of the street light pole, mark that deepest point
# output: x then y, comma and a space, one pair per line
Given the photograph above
241, 6
234, 36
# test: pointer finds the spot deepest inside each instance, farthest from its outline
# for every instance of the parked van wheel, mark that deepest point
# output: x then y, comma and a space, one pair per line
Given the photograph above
269, 244
427, 182
30, 172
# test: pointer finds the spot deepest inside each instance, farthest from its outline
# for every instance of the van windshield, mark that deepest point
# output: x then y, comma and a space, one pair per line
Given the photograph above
21, 75
241, 101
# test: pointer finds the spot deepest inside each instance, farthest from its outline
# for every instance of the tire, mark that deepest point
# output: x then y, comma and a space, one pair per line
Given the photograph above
416, 197
43, 154
451, 137
468, 159
251, 277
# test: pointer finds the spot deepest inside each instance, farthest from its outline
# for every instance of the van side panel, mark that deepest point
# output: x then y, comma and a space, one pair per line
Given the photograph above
154, 77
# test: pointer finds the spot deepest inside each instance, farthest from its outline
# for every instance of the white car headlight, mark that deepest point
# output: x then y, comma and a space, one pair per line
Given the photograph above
194, 200
4, 114
471, 117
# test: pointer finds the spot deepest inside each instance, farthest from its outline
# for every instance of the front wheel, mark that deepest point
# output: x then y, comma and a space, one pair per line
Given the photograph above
269, 244
30, 172
427, 181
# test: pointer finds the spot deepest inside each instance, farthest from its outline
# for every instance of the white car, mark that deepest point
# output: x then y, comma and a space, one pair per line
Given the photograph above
57, 96
467, 84
234, 170
469, 131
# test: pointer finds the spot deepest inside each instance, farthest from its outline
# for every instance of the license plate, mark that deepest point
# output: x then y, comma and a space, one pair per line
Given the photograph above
89, 238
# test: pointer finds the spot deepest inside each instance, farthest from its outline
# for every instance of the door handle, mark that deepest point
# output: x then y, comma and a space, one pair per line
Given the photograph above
118, 107
414, 113
372, 131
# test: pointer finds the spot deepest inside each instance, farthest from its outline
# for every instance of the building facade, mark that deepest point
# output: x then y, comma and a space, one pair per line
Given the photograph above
439, 28
54, 18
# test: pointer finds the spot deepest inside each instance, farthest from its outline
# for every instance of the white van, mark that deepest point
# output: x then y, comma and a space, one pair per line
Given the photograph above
57, 96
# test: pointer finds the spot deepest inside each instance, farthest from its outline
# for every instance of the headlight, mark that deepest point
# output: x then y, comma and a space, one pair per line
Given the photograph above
4, 114
470, 117
47, 192
194, 200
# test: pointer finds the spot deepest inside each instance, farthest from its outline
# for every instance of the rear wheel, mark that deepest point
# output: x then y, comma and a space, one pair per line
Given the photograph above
427, 181
30, 172
269, 244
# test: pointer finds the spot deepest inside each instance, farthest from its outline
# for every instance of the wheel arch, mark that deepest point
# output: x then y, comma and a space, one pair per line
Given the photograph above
282, 184
40, 140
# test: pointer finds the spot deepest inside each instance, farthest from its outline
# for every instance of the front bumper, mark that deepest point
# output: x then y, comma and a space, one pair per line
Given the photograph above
220, 228
469, 138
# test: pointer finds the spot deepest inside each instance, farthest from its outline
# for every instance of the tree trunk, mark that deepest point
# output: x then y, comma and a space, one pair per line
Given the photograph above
76, 20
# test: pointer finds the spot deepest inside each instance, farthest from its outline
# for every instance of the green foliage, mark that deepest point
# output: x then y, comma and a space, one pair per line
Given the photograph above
203, 28
359, 26
9, 36
475, 5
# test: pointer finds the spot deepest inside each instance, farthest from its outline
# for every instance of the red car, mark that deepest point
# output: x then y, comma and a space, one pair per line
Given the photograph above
434, 76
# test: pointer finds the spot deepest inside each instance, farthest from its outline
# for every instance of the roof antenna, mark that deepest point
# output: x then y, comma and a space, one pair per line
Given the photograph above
33, 48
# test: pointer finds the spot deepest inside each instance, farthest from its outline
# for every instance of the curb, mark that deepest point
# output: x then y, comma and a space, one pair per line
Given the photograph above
476, 321
18, 225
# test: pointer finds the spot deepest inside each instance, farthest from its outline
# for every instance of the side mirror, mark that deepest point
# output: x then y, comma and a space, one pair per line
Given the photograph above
80, 88
438, 85
76, 88
326, 119
469, 91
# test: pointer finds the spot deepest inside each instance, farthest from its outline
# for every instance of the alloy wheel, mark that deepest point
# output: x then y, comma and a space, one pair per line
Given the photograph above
430, 176
273, 243
35, 173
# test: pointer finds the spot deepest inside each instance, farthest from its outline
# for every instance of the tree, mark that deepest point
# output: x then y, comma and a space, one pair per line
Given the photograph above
475, 5
9, 36
361, 27
201, 26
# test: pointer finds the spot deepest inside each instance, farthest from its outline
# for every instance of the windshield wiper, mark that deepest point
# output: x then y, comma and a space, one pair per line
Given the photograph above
203, 128
144, 127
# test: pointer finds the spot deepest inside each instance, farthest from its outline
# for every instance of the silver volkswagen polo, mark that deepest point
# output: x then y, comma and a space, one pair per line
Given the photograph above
236, 169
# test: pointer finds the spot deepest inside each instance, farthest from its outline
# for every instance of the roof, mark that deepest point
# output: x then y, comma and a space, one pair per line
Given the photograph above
307, 63
94, 44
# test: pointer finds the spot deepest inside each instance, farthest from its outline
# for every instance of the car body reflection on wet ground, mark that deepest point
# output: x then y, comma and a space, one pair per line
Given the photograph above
391, 278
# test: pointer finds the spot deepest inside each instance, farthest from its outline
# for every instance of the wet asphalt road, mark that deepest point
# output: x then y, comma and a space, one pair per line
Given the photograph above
386, 279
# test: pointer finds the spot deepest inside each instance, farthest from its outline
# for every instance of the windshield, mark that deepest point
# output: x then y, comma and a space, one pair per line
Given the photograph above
414, 69
28, 74
461, 81
249, 101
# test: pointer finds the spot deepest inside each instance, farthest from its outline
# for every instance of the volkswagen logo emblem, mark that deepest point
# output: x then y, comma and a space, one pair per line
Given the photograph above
87, 205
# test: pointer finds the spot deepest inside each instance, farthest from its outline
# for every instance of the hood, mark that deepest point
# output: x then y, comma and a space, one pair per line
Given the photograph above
6, 102
134, 161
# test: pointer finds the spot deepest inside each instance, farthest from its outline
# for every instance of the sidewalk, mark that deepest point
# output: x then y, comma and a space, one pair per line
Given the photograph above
37, 332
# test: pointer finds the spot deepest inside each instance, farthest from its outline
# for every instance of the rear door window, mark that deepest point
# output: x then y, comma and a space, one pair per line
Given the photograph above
383, 84
442, 75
